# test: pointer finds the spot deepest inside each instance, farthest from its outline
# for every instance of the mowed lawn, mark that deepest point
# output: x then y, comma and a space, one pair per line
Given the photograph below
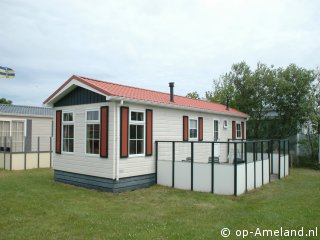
33, 206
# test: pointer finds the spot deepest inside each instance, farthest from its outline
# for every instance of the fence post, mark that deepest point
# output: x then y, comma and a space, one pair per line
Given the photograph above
279, 164
173, 160
192, 166
38, 151
269, 156
50, 152
254, 164
246, 162
271, 150
212, 167
262, 166
11, 154
235, 169
284, 158
156, 180
289, 158
5, 151
25, 154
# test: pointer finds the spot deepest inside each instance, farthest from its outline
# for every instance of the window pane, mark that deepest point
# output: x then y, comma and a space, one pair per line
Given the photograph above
139, 146
193, 133
133, 132
134, 116
71, 132
93, 115
139, 132
68, 117
65, 131
193, 123
89, 131
133, 149
96, 134
140, 116
96, 146
70, 145
65, 145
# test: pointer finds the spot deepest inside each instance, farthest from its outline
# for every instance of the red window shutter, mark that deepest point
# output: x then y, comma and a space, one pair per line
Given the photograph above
149, 123
124, 132
242, 129
58, 131
200, 123
104, 127
234, 130
185, 128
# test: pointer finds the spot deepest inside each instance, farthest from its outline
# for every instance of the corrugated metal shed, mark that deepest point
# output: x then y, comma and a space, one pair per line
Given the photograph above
25, 110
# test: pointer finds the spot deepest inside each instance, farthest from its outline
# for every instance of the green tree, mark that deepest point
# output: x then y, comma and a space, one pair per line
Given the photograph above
285, 93
193, 95
5, 101
246, 90
293, 99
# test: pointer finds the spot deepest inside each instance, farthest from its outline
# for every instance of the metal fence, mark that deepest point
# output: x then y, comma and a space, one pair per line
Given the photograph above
26, 153
231, 167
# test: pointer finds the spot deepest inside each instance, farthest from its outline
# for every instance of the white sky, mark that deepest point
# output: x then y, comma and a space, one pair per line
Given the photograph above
147, 43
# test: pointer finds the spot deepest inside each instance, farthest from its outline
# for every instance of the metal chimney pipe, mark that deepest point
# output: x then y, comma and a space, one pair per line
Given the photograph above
171, 85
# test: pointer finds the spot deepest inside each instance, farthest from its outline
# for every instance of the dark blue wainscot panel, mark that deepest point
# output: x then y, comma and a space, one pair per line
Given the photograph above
105, 184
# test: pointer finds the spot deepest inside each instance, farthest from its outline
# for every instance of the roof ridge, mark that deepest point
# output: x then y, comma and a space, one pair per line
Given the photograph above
112, 83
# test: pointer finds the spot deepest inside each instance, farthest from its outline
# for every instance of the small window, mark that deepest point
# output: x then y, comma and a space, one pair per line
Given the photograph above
136, 138
137, 116
239, 130
193, 129
68, 117
93, 132
93, 115
68, 132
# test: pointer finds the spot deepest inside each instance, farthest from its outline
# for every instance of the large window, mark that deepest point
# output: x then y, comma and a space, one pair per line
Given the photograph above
193, 129
4, 134
136, 138
13, 131
239, 130
68, 132
215, 130
93, 132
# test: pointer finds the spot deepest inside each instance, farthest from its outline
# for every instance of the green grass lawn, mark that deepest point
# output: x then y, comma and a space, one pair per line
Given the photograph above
33, 206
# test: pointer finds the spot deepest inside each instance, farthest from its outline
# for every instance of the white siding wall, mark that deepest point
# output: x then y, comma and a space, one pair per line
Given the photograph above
167, 125
79, 161
41, 127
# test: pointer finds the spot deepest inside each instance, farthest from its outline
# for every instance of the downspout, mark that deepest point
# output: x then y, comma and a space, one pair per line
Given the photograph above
117, 139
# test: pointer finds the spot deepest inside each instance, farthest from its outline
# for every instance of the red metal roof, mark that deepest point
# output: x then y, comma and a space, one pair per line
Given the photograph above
113, 89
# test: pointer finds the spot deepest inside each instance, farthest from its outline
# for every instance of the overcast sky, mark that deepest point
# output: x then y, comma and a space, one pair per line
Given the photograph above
147, 43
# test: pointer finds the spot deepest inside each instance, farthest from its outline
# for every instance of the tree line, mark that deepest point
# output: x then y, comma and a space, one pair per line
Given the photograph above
279, 101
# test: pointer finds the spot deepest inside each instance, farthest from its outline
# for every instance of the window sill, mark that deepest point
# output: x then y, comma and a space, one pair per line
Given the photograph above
92, 155
67, 153
137, 155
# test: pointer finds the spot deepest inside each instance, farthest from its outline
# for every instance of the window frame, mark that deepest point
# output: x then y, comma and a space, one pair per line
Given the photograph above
197, 128
24, 121
216, 120
135, 122
92, 122
63, 123
240, 130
